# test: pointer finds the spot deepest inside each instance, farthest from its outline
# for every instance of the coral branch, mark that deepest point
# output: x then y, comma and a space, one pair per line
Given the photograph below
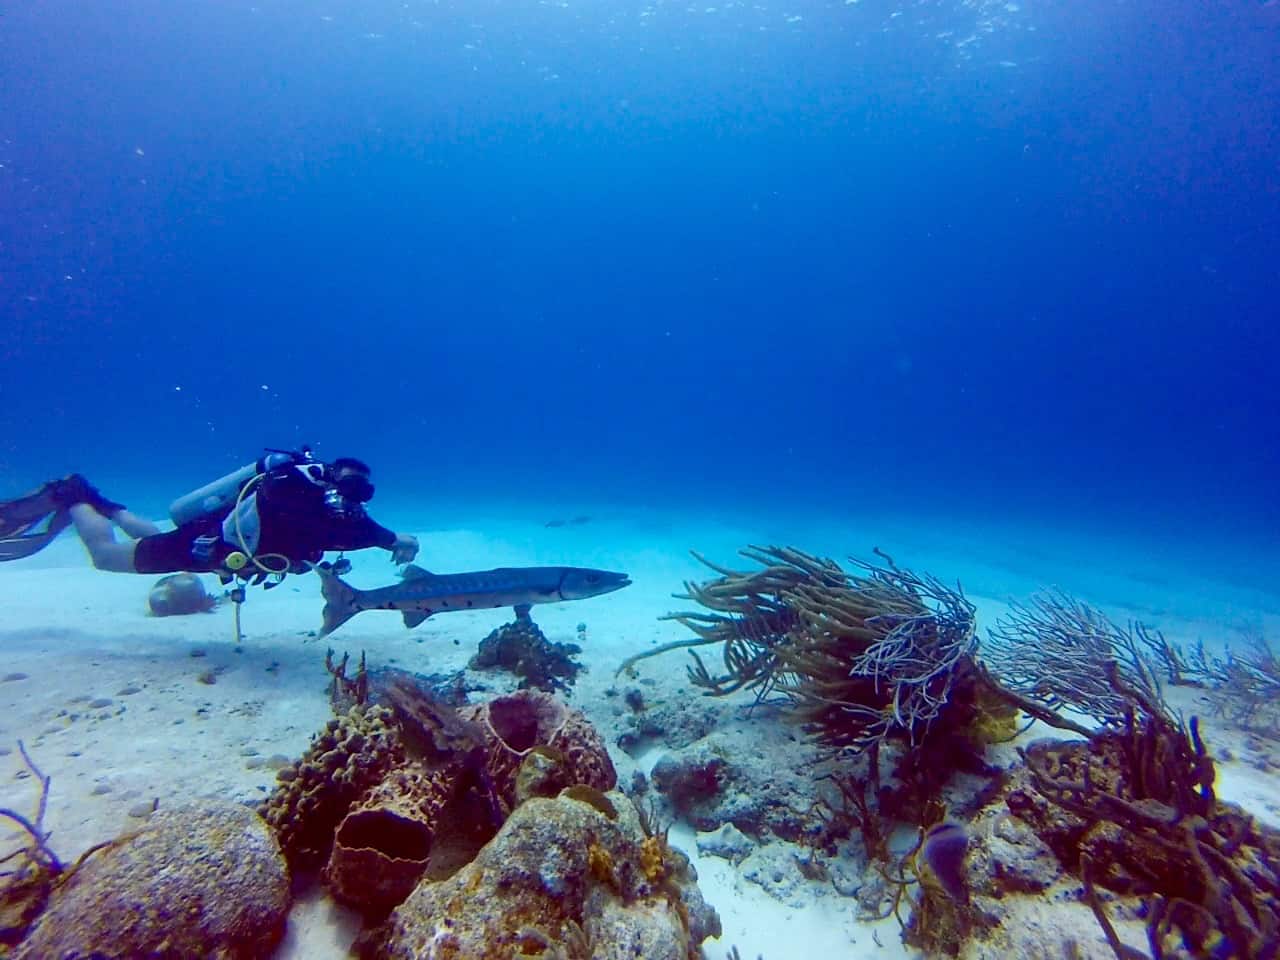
40, 853
1055, 651
860, 656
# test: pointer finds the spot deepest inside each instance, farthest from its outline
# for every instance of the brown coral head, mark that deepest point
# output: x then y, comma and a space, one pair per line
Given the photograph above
526, 719
387, 832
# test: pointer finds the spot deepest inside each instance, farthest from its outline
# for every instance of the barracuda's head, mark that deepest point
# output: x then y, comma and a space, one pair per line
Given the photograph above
578, 583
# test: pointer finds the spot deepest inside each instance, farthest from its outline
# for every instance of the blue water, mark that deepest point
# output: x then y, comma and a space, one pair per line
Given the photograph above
979, 260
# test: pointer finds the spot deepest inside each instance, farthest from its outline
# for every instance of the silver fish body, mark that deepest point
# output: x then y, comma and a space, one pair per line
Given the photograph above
421, 593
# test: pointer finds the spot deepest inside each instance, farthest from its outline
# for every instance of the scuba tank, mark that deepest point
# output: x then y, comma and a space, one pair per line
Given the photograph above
217, 498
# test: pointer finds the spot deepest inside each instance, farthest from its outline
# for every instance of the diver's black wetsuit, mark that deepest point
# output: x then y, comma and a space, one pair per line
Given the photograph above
297, 522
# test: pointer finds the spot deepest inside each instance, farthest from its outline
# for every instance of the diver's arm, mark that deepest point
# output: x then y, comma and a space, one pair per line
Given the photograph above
364, 531
404, 549
355, 531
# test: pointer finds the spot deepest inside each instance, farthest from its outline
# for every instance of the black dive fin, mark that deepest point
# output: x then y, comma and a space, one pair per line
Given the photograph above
22, 542
20, 515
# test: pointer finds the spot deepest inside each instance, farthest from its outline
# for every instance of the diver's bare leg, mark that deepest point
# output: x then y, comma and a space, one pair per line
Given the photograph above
134, 525
98, 535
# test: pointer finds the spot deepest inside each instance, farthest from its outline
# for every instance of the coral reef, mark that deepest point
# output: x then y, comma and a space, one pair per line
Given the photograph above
728, 842
523, 649
388, 795
728, 777
879, 666
384, 843
206, 880
675, 721
397, 832
690, 778
392, 802
367, 686
562, 878
1008, 857
1135, 812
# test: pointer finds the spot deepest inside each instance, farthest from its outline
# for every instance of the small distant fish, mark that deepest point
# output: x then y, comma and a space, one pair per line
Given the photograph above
576, 521
423, 593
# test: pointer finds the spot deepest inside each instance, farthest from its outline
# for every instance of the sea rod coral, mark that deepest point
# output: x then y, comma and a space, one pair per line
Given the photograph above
861, 656
1132, 808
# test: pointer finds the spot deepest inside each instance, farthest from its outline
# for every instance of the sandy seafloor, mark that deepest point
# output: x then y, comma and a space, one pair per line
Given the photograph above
112, 705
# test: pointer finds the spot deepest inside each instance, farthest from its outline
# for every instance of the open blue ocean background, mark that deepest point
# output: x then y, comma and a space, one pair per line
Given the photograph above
1013, 262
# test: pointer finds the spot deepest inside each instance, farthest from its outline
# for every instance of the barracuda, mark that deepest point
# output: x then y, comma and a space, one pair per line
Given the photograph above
421, 593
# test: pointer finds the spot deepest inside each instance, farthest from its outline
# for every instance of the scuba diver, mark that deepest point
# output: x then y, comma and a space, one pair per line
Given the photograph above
275, 516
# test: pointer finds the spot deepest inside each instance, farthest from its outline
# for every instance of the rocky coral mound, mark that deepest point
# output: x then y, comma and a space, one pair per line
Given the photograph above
206, 880
732, 776
576, 876
523, 649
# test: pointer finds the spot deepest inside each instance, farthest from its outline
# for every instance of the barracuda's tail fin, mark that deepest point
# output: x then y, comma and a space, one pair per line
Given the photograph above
339, 600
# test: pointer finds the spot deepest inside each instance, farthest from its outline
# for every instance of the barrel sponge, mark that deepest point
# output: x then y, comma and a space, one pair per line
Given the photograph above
351, 754
519, 724
384, 843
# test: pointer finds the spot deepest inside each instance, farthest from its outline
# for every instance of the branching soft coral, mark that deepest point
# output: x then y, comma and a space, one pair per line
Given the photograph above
1055, 652
1141, 814
861, 657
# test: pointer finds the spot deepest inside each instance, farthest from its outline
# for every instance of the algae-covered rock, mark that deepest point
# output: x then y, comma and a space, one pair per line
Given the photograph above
728, 842
206, 880
730, 777
561, 878
179, 594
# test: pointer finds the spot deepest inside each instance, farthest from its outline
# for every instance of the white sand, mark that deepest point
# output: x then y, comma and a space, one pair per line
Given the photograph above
82, 637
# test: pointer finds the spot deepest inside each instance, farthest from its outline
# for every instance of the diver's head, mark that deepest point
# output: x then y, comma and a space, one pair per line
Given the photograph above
352, 479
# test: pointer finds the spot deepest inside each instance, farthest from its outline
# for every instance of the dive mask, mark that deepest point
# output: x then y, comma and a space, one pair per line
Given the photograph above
355, 487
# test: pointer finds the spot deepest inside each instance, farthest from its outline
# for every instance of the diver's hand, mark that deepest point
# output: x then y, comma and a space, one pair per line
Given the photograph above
404, 549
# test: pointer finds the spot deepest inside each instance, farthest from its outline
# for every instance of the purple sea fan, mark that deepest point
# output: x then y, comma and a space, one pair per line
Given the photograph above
943, 853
